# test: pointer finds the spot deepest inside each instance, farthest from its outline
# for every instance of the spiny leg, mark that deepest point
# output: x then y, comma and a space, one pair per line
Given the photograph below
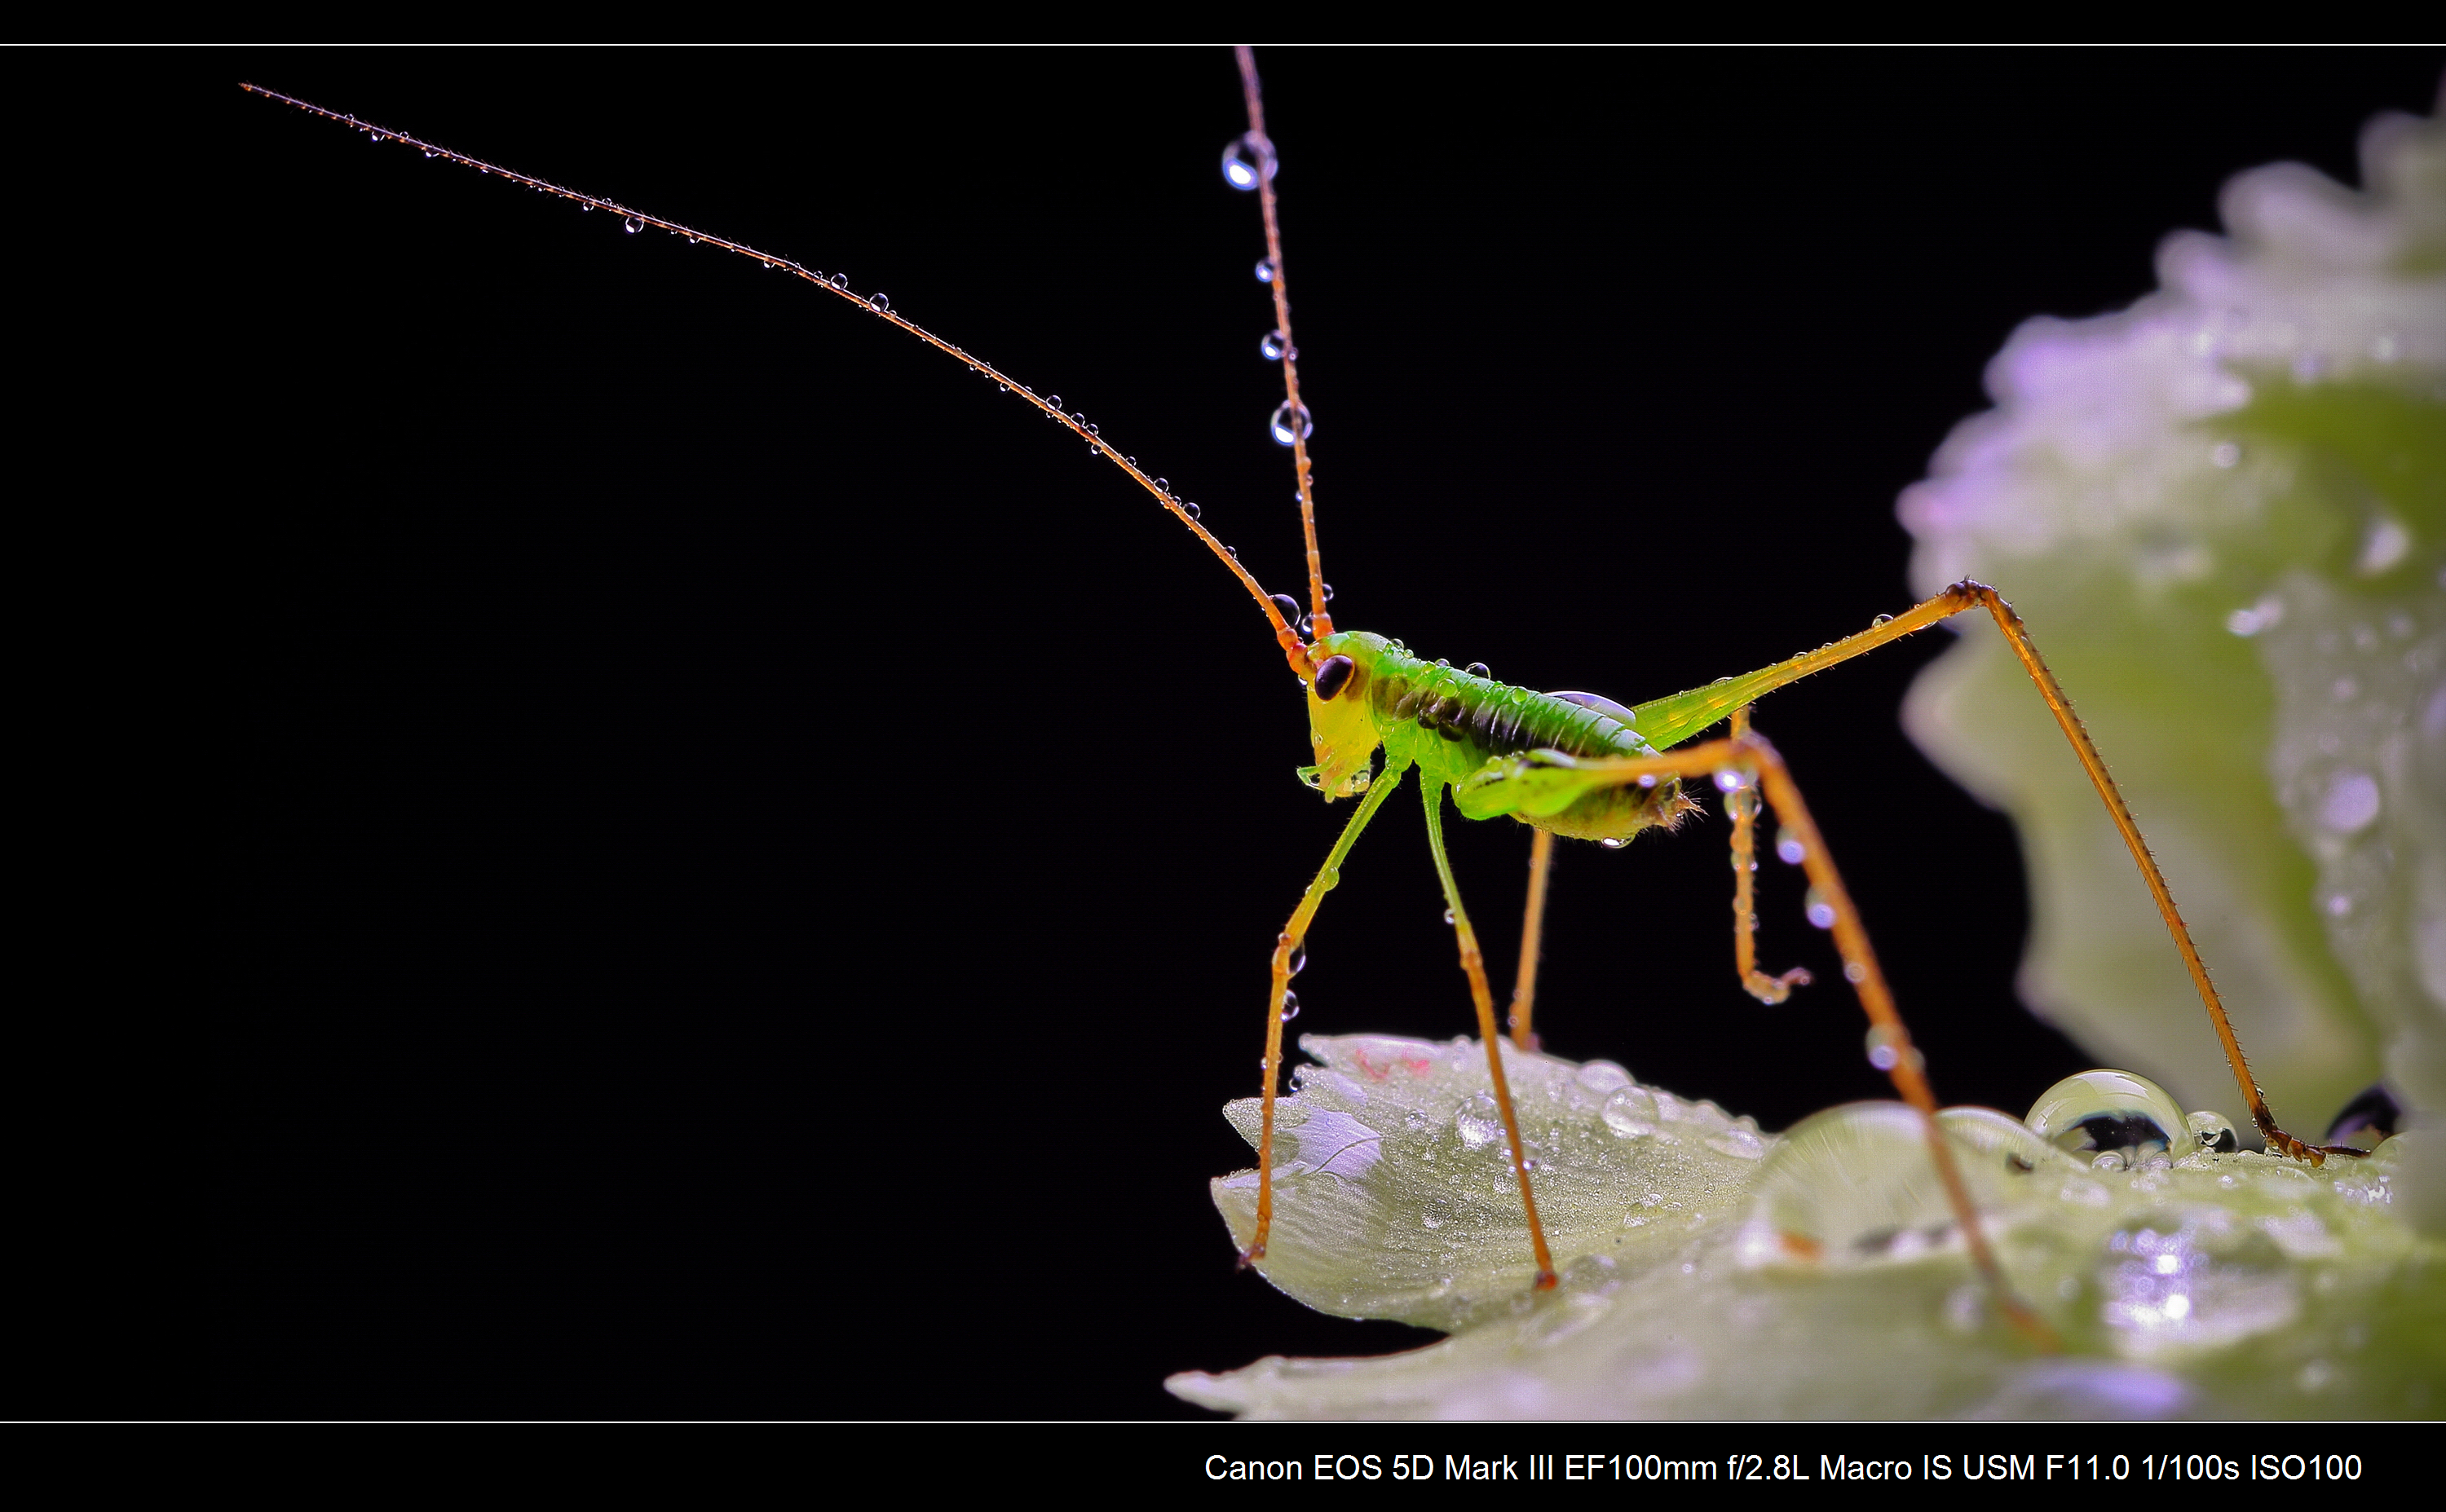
1533, 937
1742, 805
1749, 755
1472, 965
1294, 934
1669, 720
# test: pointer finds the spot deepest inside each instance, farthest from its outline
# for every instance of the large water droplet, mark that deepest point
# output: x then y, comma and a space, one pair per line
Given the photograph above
1245, 157
1265, 269
1630, 1113
1298, 962
1292, 424
882, 303
1602, 1077
1821, 913
1732, 780
632, 225
1290, 1006
2110, 1112
1477, 669
1854, 1184
1789, 850
1478, 1121
1271, 346
1287, 608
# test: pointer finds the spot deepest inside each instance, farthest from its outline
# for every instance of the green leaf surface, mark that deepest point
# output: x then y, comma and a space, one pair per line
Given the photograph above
2213, 1286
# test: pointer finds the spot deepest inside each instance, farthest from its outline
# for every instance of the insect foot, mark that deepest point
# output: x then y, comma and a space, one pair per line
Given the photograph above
1774, 1273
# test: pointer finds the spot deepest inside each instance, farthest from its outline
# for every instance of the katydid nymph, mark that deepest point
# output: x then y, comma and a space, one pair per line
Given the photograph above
1563, 765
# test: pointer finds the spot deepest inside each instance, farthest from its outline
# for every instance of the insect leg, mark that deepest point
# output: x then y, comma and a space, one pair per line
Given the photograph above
1473, 963
1749, 755
1533, 937
1294, 934
1680, 716
1742, 805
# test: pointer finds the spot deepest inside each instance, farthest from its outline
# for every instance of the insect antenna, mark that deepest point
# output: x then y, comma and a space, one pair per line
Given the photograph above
1291, 422
1285, 633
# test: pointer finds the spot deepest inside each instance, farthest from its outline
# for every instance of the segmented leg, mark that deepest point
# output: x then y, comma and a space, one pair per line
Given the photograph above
1472, 965
1749, 755
1533, 937
1294, 934
1670, 719
1742, 805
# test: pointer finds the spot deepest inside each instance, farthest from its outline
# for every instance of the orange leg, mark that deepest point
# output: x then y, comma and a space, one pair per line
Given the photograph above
1288, 942
1741, 803
1472, 965
1748, 755
1533, 937
1721, 700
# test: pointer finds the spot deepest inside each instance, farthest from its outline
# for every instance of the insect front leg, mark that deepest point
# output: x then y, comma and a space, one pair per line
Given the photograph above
1290, 942
1472, 965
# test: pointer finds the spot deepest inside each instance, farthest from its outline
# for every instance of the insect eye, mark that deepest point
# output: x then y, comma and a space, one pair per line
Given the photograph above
1332, 676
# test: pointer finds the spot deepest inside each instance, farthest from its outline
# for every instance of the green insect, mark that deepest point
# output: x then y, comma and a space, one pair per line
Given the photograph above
1572, 765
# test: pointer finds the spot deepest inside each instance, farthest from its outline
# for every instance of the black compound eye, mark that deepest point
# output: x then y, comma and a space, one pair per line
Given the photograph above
1332, 676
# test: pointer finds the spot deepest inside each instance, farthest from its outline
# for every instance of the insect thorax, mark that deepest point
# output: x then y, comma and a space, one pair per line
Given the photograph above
1455, 725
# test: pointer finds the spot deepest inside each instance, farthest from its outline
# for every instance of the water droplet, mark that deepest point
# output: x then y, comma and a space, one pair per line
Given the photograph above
1854, 973
1602, 1077
1430, 1221
881, 303
2109, 1111
1265, 269
1739, 1143
1163, 485
1190, 510
1292, 424
2351, 803
1821, 913
1298, 962
1882, 619
1789, 850
1647, 779
1732, 780
1271, 346
1054, 400
2212, 1131
1448, 915
1232, 551
1885, 1047
1245, 156
1611, 843
1287, 606
433, 153
1478, 1121
632, 225
838, 280
1290, 1006
1630, 1112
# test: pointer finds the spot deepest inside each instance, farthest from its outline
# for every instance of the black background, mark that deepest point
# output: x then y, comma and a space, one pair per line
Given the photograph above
748, 858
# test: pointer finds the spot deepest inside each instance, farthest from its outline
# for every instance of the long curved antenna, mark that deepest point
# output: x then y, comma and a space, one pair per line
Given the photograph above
1285, 634
1294, 413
